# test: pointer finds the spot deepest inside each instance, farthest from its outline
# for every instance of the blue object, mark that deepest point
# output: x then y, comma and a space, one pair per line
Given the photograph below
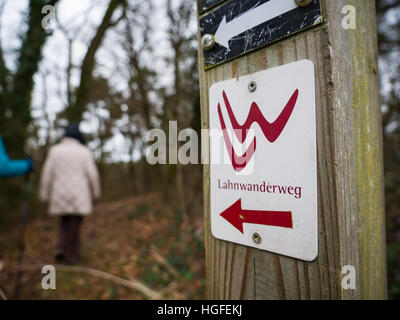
13, 168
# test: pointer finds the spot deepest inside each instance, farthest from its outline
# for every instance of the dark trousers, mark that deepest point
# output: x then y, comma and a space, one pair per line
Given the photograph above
69, 236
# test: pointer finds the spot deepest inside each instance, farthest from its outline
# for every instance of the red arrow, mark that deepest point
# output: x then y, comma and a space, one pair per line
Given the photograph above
237, 216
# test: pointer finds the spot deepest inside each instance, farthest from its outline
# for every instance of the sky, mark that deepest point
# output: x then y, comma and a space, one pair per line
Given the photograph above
81, 18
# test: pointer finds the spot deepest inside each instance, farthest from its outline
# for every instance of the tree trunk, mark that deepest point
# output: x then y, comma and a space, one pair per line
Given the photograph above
350, 180
18, 99
75, 111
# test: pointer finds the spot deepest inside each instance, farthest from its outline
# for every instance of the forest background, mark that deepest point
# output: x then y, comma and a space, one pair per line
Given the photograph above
123, 67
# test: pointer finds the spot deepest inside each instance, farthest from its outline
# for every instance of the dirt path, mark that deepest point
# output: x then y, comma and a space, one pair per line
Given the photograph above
137, 238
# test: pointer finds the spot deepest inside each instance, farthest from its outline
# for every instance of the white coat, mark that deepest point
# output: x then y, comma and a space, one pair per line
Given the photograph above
69, 180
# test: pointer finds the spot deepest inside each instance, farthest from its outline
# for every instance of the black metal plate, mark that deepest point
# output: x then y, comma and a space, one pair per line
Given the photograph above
204, 5
265, 33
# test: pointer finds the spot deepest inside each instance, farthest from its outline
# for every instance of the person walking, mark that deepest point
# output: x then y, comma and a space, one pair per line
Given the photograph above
69, 183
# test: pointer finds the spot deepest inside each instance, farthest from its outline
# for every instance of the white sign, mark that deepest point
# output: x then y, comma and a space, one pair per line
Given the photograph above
263, 166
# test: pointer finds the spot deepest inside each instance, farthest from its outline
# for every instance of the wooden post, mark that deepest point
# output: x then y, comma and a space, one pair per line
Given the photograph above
351, 224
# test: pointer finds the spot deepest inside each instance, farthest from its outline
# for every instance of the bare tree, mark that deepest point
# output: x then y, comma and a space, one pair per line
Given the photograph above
75, 111
16, 87
179, 105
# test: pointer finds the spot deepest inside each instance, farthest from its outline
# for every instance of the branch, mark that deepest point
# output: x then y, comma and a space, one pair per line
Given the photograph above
131, 284
76, 110
123, 15
138, 74
2, 295
161, 260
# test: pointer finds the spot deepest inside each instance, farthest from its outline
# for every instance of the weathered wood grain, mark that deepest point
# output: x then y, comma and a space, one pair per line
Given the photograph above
350, 174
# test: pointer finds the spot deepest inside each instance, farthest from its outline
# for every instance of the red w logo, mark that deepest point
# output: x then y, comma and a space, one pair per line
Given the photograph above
271, 130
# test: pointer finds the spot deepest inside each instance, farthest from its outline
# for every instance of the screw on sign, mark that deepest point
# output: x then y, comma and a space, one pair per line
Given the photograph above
207, 41
257, 237
252, 86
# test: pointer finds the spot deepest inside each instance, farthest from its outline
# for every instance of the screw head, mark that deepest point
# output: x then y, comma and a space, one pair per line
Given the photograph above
252, 86
303, 3
256, 238
207, 41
